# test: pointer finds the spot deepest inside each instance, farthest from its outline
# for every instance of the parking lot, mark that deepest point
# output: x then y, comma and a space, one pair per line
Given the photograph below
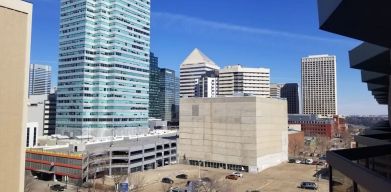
285, 177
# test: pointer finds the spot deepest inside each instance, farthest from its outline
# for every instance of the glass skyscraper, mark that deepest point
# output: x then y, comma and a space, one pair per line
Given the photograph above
103, 78
167, 94
154, 90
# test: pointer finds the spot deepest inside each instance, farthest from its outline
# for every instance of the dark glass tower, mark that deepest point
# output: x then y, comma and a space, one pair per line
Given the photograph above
154, 89
290, 91
167, 94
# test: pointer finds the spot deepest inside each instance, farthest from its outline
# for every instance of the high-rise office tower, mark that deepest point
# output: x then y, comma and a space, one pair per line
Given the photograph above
318, 84
175, 119
290, 91
15, 38
236, 79
154, 82
275, 90
191, 69
208, 84
167, 94
103, 78
40, 79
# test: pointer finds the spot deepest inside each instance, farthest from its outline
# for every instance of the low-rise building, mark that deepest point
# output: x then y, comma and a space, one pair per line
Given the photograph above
236, 133
83, 158
314, 125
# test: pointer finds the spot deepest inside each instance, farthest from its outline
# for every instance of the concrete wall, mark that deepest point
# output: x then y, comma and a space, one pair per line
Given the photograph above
234, 130
15, 32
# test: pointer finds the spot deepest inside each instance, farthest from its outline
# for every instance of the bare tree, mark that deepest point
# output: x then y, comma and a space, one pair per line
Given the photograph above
214, 185
296, 145
29, 182
137, 181
118, 179
166, 187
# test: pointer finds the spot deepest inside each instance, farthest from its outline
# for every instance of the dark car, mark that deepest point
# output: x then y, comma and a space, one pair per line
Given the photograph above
233, 177
181, 176
308, 185
206, 179
167, 180
57, 187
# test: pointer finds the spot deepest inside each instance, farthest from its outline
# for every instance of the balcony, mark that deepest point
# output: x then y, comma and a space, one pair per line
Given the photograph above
357, 19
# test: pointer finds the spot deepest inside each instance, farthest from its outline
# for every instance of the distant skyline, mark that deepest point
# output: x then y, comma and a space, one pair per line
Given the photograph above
271, 34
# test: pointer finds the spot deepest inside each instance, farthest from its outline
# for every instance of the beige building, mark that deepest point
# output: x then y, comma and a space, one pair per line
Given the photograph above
192, 68
237, 79
237, 133
15, 34
319, 84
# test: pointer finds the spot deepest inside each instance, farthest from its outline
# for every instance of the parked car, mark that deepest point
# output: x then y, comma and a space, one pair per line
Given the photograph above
237, 174
309, 161
167, 180
57, 187
182, 176
206, 179
292, 161
233, 177
297, 161
308, 185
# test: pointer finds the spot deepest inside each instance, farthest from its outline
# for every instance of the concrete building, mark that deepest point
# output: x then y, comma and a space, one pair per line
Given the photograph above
40, 78
192, 68
237, 133
208, 84
154, 82
15, 36
156, 124
367, 167
275, 90
103, 78
42, 110
81, 160
290, 91
32, 134
49, 124
319, 84
236, 79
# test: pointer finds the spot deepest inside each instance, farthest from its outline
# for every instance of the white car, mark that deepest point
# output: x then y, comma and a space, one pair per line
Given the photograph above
297, 161
237, 174
309, 161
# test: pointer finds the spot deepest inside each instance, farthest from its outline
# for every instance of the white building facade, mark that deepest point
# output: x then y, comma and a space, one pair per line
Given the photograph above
236, 79
40, 78
319, 84
275, 90
191, 70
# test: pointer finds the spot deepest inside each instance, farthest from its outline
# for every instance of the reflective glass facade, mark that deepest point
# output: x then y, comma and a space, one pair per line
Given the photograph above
103, 78
154, 80
168, 94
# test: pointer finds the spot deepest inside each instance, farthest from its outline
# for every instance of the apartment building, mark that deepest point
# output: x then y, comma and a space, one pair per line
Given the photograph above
237, 79
319, 84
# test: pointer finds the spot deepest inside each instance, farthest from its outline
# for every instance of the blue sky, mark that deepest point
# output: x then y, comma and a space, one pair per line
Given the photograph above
254, 33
